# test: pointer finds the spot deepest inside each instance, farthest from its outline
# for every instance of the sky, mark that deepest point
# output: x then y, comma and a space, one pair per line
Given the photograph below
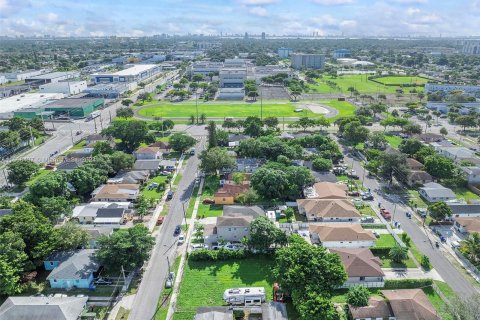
211, 17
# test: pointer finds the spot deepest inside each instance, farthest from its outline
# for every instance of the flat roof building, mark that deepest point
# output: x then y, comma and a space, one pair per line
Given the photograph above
111, 90
73, 108
22, 75
27, 100
232, 78
52, 77
204, 67
136, 72
308, 61
66, 87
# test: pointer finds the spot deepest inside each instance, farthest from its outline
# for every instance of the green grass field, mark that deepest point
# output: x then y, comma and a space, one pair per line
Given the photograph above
393, 141
203, 283
385, 240
359, 82
153, 194
399, 80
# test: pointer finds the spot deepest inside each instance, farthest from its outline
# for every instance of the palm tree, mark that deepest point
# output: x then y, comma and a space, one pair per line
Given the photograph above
192, 119
398, 253
471, 248
203, 118
295, 93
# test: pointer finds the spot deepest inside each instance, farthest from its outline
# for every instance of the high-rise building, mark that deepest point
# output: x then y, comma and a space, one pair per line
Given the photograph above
309, 61
245, 36
263, 35
284, 52
471, 47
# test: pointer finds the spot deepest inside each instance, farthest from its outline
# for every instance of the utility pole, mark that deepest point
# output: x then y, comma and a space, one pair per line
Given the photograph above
184, 214
196, 102
261, 105
31, 135
95, 123
101, 125
71, 135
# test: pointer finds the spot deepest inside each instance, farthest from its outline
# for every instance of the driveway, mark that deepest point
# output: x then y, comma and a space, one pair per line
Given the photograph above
410, 273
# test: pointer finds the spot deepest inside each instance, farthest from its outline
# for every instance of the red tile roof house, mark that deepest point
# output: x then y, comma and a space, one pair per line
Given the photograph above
362, 267
229, 192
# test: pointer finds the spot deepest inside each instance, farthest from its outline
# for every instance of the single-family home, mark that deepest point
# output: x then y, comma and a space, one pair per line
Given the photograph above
147, 153
57, 257
472, 174
434, 192
400, 304
341, 235
95, 232
94, 138
328, 210
116, 192
69, 165
462, 210
418, 177
234, 139
43, 308
441, 144
77, 271
326, 190
229, 192
246, 165
362, 267
456, 153
168, 165
214, 313
163, 145
102, 212
228, 229
467, 225
152, 166
429, 137
127, 177
414, 164
238, 211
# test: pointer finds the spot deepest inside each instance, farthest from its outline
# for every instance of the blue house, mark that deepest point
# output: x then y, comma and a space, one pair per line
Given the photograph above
56, 258
75, 271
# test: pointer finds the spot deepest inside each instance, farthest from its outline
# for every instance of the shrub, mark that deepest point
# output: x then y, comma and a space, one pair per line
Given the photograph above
215, 255
380, 250
406, 239
425, 263
322, 164
358, 296
407, 283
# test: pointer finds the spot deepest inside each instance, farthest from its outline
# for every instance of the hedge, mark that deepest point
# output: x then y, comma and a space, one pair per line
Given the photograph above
380, 250
407, 283
222, 254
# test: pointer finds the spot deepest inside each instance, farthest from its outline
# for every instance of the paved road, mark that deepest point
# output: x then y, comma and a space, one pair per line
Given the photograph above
145, 304
427, 246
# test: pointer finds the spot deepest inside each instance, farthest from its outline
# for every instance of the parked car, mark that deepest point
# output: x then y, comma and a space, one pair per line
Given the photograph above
367, 220
170, 195
164, 173
170, 279
376, 234
386, 214
160, 220
192, 151
152, 186
198, 246
181, 239
233, 246
177, 230
357, 202
208, 201
103, 282
353, 193
367, 197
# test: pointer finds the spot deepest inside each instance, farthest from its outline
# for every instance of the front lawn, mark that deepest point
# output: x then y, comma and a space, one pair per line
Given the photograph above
367, 211
204, 282
389, 263
416, 200
385, 240
211, 185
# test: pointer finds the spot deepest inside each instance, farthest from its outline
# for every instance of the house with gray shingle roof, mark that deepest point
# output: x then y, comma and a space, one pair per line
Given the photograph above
76, 271
42, 308
434, 192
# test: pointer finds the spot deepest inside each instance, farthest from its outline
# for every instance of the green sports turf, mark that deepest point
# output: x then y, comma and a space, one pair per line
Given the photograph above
399, 80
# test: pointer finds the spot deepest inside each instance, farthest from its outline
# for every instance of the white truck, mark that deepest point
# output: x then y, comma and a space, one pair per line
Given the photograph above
253, 296
93, 115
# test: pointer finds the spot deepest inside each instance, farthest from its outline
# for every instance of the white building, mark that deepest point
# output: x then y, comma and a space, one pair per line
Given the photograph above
22, 75
137, 72
232, 78
52, 77
284, 52
309, 61
235, 63
66, 87
456, 153
471, 47
3, 80
231, 94
473, 174
27, 100
433, 87
269, 70
341, 235
204, 67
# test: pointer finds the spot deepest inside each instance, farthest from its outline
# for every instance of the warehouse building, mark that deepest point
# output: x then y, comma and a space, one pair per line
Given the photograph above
22, 75
68, 88
307, 61
52, 77
110, 90
137, 72
72, 108
28, 100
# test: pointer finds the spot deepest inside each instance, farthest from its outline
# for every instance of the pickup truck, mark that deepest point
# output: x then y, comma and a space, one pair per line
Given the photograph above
386, 214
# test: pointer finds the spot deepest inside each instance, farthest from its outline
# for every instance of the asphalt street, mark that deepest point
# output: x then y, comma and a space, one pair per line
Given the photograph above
426, 245
155, 273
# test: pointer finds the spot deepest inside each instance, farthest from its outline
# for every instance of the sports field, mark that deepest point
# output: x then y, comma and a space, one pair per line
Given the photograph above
237, 109
399, 80
360, 83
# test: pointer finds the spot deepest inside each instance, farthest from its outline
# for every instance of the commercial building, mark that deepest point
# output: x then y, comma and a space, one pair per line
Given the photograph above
308, 61
269, 70
22, 75
110, 90
446, 88
137, 72
52, 77
231, 94
234, 63
204, 68
341, 53
232, 78
66, 87
28, 100
73, 108
284, 52
471, 47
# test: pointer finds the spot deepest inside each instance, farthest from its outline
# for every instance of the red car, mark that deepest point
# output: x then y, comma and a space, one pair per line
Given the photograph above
160, 220
386, 214
208, 201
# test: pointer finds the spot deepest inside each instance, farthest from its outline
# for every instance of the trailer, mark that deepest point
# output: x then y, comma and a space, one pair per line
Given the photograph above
253, 296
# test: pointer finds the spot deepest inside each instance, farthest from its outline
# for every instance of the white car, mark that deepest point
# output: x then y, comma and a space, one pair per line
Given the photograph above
181, 239
230, 246
199, 246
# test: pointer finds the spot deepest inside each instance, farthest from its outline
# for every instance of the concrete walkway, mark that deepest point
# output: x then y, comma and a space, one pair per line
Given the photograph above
410, 273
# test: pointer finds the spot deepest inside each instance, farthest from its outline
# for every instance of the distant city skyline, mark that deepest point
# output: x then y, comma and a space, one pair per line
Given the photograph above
212, 17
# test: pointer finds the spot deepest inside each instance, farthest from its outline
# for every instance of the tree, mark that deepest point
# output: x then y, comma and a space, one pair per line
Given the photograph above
289, 213
439, 166
393, 165
305, 123
439, 210
264, 234
50, 185
144, 96
398, 253
124, 113
37, 124
464, 308
423, 153
271, 122
16, 123
270, 183
126, 102
131, 133
378, 108
377, 140
321, 164
410, 146
322, 122
470, 247
85, 179
238, 177
212, 135
412, 128
248, 197
197, 77
181, 142
295, 92
9, 140
55, 207
102, 147
192, 119
203, 118
253, 126
466, 121
443, 131
127, 248
71, 236
20, 171
121, 161
357, 296
13, 261
215, 159
355, 133
311, 305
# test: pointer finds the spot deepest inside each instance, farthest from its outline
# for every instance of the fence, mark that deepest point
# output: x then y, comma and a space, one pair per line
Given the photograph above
467, 263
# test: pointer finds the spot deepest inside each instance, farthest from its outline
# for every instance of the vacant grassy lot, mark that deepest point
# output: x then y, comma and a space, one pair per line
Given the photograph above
203, 283
399, 80
416, 200
466, 194
359, 82
41, 173
212, 183
154, 193
221, 109
344, 108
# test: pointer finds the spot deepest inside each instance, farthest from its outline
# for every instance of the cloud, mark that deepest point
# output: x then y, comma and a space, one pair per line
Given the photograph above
257, 2
333, 2
258, 11
10, 7
49, 17
409, 1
